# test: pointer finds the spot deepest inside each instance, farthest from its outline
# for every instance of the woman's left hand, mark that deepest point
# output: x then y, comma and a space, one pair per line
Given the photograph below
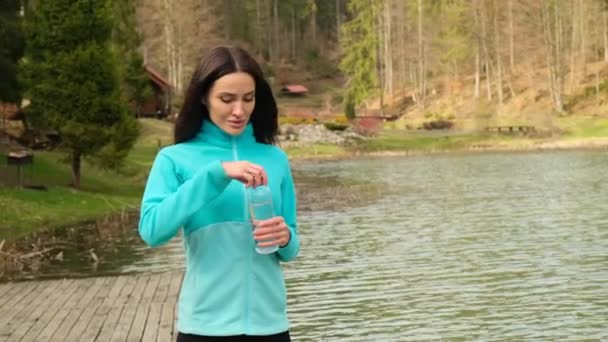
271, 232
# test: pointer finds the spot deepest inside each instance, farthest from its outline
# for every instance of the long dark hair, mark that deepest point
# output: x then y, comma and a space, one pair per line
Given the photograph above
221, 61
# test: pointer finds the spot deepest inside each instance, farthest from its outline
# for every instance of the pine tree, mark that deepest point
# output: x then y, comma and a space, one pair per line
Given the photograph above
359, 42
11, 50
71, 81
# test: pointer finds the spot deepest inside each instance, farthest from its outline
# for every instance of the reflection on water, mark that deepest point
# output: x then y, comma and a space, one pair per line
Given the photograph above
489, 247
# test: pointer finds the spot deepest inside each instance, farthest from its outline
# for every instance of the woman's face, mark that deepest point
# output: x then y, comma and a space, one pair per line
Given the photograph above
231, 101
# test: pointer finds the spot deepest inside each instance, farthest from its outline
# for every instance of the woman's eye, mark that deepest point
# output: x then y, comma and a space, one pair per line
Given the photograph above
226, 99
248, 99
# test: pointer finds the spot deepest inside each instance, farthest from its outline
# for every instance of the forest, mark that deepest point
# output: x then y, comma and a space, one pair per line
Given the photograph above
392, 52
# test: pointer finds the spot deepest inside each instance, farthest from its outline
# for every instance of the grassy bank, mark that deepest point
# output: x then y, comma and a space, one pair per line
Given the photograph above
103, 192
107, 192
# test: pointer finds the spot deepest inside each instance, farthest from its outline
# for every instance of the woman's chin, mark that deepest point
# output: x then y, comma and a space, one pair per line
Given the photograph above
232, 130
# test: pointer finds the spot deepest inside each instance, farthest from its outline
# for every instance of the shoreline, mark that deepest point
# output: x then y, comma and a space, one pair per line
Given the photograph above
346, 153
524, 145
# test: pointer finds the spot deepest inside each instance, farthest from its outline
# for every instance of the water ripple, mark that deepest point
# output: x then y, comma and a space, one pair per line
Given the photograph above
471, 247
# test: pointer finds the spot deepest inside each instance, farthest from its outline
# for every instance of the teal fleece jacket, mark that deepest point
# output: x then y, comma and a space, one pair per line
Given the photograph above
228, 288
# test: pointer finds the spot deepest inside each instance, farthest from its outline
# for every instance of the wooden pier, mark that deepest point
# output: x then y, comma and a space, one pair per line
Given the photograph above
138, 307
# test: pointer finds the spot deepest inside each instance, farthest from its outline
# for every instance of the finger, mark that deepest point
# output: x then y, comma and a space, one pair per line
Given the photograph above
264, 178
263, 233
248, 179
258, 179
256, 173
271, 222
280, 239
260, 171
271, 233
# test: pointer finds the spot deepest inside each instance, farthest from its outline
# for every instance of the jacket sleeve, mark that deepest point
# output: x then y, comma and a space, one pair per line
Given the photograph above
289, 213
167, 205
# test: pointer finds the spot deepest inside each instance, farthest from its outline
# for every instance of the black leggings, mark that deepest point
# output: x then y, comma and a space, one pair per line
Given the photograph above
282, 337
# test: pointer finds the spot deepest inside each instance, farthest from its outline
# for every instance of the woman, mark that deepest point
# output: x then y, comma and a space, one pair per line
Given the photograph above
224, 143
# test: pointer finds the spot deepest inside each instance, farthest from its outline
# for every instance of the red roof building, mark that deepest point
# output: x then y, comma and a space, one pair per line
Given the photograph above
294, 90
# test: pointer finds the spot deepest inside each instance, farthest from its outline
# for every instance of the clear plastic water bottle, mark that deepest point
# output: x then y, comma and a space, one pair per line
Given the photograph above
260, 208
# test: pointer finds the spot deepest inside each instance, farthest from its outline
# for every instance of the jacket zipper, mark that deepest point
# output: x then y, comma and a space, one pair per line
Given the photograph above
235, 156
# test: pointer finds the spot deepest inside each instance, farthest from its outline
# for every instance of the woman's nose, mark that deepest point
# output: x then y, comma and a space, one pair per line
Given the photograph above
238, 108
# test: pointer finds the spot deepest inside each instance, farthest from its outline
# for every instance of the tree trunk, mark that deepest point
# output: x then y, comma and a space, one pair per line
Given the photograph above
559, 75
380, 62
486, 55
597, 84
179, 60
76, 159
421, 72
477, 73
388, 53
499, 83
573, 47
258, 27
552, 34
275, 34
487, 66
293, 34
402, 41
605, 32
313, 26
476, 26
338, 24
584, 34
511, 37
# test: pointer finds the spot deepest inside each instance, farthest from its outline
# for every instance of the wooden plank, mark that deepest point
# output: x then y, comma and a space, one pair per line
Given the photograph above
152, 322
141, 312
83, 311
53, 317
25, 320
101, 314
88, 313
150, 289
20, 292
116, 310
176, 283
152, 317
128, 313
139, 322
67, 310
163, 288
165, 328
174, 290
125, 308
167, 317
7, 292
19, 303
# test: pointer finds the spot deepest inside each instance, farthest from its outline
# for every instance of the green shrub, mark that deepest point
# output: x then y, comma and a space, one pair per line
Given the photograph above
332, 126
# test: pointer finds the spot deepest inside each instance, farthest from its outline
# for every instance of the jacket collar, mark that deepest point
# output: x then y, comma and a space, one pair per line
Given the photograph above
211, 134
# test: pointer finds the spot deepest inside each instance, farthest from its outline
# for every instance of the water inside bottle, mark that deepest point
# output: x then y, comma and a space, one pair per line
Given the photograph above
263, 211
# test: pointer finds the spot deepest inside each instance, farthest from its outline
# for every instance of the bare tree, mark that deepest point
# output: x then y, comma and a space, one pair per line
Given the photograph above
478, 47
553, 33
497, 46
175, 33
421, 62
605, 28
511, 37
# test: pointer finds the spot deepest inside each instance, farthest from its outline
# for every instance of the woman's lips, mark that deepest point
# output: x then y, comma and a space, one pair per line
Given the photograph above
236, 124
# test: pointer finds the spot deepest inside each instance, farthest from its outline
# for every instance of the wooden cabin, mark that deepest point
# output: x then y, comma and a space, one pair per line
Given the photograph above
294, 90
159, 105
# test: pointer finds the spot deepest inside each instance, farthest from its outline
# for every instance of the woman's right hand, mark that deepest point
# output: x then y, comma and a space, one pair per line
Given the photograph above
250, 174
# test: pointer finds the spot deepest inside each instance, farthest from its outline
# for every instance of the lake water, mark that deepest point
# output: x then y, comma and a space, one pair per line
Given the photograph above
458, 247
